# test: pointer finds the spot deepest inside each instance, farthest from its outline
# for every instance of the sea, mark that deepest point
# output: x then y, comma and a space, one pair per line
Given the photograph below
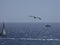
31, 34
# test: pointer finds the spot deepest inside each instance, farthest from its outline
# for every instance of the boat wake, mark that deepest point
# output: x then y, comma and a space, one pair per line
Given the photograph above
32, 39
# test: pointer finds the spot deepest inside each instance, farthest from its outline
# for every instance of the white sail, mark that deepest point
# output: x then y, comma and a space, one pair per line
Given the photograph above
4, 32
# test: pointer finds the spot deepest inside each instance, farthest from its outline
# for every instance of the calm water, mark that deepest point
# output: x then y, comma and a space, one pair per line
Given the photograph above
31, 34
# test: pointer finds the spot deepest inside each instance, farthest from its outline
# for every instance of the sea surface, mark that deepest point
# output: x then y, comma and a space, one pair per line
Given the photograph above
31, 34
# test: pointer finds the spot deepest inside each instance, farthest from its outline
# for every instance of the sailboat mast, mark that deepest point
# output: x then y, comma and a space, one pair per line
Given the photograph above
3, 26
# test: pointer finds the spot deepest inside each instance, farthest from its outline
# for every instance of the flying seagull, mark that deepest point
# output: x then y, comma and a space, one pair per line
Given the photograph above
35, 17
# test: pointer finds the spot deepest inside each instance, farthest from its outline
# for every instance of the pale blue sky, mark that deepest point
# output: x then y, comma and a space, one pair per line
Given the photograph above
19, 10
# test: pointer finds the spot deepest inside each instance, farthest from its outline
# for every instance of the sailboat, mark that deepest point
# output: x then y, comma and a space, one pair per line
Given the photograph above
3, 33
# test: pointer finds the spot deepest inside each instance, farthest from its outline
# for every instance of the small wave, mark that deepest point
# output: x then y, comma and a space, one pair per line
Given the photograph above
39, 39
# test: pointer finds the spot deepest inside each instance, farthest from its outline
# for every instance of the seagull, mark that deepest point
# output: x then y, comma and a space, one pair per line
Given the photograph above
35, 17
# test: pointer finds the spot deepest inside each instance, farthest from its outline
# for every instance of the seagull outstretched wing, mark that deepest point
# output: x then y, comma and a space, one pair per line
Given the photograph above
39, 18
33, 17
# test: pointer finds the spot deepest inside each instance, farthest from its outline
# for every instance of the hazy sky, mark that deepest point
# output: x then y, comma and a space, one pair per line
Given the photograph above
19, 10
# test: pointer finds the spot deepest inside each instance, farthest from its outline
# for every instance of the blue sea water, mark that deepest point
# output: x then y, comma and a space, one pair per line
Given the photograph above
31, 34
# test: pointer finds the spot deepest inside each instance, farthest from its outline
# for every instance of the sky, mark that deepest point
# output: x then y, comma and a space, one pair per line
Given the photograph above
20, 10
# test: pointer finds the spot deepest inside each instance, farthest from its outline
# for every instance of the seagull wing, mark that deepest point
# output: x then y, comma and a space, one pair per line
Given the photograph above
39, 18
31, 16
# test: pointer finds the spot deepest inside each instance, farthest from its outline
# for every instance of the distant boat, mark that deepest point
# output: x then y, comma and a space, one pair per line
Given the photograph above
3, 33
47, 25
